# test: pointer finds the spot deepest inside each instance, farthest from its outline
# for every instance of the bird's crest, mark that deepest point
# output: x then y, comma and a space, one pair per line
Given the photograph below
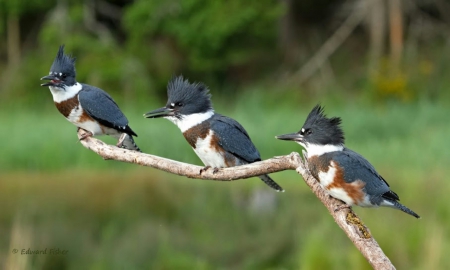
195, 96
181, 89
63, 63
318, 120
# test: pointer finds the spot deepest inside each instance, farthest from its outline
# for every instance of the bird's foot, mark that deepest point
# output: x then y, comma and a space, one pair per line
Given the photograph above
85, 135
121, 140
342, 207
204, 169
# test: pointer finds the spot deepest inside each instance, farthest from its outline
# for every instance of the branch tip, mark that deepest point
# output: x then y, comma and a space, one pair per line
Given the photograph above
348, 221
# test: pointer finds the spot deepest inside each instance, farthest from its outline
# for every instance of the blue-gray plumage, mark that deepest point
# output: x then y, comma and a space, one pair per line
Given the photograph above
376, 187
344, 174
86, 106
108, 114
234, 138
218, 141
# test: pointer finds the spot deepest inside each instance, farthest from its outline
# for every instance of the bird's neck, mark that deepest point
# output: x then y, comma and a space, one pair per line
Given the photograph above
188, 121
318, 150
61, 94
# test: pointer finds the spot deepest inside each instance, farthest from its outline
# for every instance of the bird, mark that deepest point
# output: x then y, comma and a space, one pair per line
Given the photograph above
87, 107
343, 173
219, 141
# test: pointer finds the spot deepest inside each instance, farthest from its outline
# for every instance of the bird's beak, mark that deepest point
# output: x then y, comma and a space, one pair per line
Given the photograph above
161, 112
290, 137
52, 79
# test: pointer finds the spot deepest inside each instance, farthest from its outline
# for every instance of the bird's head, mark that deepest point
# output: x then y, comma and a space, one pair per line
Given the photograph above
62, 73
184, 99
318, 131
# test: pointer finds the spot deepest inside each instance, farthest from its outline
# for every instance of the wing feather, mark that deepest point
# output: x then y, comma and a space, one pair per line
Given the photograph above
356, 167
234, 139
100, 106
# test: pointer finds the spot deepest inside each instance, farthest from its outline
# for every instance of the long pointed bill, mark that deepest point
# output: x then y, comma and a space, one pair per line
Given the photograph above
49, 77
161, 112
290, 137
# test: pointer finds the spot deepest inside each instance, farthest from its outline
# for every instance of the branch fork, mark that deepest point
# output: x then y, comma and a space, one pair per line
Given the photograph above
346, 219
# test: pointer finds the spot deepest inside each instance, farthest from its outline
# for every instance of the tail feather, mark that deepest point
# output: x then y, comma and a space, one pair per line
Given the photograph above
269, 181
397, 205
126, 141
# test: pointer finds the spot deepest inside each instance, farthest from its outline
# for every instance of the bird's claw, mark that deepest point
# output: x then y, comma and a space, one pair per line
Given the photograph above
342, 207
121, 140
204, 169
85, 135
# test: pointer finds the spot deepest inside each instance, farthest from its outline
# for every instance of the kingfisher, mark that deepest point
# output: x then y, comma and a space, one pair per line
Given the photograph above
343, 173
87, 107
218, 141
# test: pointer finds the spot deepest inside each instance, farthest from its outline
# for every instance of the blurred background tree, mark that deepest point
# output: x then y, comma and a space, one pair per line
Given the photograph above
134, 47
382, 65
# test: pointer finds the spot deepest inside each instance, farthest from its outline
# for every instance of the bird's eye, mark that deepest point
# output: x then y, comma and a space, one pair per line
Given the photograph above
64, 76
308, 131
174, 105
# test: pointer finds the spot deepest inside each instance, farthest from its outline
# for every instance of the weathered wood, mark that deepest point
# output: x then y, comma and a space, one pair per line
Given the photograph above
347, 220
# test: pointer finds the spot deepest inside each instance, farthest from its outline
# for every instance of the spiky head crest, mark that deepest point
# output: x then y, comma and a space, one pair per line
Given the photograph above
320, 130
188, 98
63, 64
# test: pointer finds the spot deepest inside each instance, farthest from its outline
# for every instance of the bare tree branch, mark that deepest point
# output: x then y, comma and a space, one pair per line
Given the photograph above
331, 45
350, 223
275, 164
342, 214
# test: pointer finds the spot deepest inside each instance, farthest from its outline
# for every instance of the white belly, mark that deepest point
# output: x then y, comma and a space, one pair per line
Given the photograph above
90, 125
340, 194
326, 178
208, 155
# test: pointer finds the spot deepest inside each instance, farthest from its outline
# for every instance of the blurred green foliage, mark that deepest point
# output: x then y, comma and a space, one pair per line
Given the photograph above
229, 45
208, 40
23, 7
212, 37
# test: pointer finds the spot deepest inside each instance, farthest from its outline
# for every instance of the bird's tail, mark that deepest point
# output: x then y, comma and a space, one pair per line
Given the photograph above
269, 181
126, 141
397, 205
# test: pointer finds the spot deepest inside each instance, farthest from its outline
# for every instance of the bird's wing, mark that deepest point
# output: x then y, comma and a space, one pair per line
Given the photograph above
234, 139
356, 167
100, 106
